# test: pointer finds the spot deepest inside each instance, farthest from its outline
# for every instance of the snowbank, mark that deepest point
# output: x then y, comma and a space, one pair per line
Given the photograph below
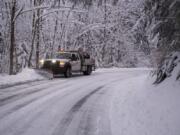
25, 76
140, 108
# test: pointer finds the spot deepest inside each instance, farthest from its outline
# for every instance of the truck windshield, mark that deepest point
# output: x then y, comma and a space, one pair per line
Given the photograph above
63, 56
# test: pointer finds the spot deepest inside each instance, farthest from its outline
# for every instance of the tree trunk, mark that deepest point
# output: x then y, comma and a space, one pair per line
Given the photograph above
64, 29
55, 30
12, 38
39, 26
38, 37
33, 36
105, 36
54, 36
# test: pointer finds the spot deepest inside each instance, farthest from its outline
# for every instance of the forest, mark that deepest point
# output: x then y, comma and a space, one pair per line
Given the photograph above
117, 33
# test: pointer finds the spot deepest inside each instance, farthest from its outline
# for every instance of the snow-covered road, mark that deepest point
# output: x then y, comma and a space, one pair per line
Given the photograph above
81, 105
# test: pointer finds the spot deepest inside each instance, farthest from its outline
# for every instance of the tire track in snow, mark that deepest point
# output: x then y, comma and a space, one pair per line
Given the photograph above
21, 132
38, 114
15, 97
27, 91
24, 104
80, 104
95, 117
19, 106
20, 83
31, 86
66, 121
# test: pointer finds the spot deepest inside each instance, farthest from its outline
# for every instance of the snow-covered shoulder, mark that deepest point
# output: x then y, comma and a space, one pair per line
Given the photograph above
25, 76
116, 69
140, 108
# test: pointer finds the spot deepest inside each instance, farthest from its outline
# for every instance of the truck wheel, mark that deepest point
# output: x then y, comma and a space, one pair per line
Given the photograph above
68, 73
88, 71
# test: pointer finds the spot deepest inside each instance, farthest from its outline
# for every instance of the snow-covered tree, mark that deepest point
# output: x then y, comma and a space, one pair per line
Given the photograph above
160, 23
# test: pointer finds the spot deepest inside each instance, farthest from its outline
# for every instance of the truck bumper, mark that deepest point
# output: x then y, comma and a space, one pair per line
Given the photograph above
54, 68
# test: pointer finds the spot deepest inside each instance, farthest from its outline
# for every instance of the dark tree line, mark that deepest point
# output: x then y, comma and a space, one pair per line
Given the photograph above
163, 22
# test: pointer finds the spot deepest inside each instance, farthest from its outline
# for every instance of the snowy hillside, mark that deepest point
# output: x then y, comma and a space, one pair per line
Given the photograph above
170, 67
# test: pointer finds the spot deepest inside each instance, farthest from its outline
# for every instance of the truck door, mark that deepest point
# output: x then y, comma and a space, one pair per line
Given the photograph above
76, 63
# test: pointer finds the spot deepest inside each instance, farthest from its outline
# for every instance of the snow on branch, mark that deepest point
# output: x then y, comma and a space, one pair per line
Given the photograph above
169, 67
95, 26
71, 21
59, 9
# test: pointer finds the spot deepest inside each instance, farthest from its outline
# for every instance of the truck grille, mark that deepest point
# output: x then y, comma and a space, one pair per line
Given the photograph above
50, 65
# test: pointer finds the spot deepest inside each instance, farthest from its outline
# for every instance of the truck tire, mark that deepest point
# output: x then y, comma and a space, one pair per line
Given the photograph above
68, 72
88, 71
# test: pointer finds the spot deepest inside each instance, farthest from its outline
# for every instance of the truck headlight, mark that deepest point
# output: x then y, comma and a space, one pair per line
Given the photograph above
53, 61
61, 64
41, 62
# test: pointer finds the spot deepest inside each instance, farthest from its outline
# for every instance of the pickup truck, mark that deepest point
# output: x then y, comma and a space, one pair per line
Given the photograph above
67, 62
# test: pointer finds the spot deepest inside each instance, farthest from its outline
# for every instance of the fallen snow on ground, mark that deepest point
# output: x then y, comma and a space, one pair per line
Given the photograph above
140, 108
116, 69
25, 76
109, 102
